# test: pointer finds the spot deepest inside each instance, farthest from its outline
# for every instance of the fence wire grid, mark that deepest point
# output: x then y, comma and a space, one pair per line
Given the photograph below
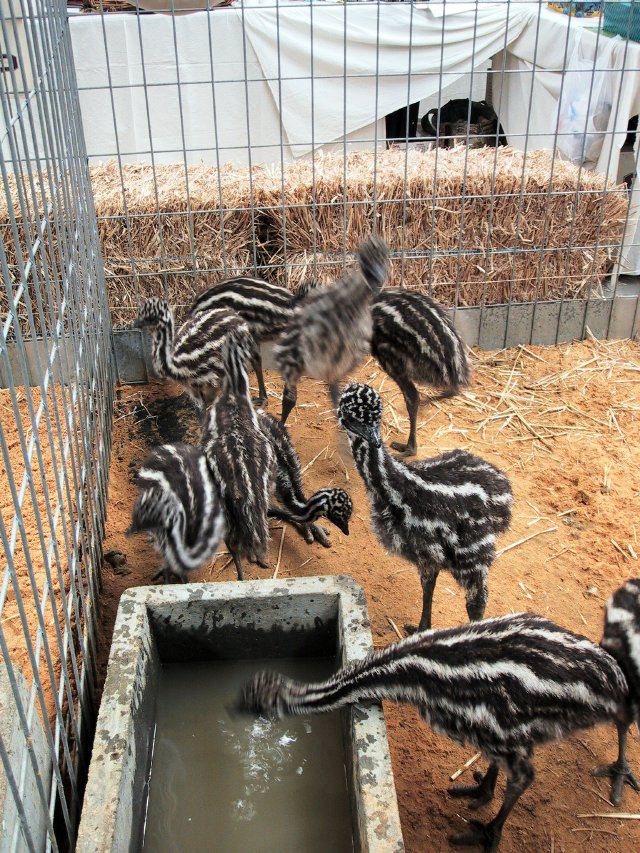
270, 137
56, 367
154, 149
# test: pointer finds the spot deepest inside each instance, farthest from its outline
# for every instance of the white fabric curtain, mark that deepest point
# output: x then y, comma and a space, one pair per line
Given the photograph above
353, 82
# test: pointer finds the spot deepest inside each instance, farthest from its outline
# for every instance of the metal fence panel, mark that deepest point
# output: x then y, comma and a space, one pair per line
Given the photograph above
255, 93
55, 422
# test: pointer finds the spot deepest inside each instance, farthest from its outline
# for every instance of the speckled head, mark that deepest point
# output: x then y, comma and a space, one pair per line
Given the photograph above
360, 412
339, 508
153, 312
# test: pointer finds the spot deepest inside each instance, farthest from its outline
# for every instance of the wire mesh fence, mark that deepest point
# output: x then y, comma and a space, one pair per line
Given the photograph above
56, 368
492, 144
270, 136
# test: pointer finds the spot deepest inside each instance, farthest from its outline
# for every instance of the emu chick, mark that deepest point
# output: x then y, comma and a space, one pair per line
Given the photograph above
440, 513
330, 332
503, 685
179, 507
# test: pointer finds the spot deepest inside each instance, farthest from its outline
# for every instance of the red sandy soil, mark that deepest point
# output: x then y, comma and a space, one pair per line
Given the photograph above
31, 576
563, 423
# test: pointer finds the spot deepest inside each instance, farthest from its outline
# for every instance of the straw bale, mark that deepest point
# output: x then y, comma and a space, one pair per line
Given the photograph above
169, 212
161, 230
467, 226
32, 247
529, 231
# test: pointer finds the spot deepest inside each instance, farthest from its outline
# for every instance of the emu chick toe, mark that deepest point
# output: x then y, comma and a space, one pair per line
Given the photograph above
404, 449
621, 775
320, 534
479, 794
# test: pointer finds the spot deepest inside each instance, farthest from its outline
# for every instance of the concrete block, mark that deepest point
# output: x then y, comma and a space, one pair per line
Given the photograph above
281, 618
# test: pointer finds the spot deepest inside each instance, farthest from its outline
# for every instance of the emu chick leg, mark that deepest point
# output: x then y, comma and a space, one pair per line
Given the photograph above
261, 399
488, 835
412, 402
289, 397
620, 772
334, 393
428, 581
236, 560
163, 572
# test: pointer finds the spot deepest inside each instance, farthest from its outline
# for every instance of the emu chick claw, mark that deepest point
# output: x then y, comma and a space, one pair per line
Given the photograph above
320, 534
404, 449
480, 794
621, 775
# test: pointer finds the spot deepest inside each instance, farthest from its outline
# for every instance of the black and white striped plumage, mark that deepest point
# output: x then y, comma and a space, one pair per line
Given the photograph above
179, 507
330, 332
266, 308
333, 504
240, 456
440, 513
502, 685
191, 356
621, 639
414, 342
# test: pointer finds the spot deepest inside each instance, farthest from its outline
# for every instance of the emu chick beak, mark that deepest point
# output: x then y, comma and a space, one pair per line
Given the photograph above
369, 433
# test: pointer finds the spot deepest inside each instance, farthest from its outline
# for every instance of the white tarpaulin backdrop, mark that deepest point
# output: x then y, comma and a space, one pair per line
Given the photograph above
190, 50
146, 81
527, 97
395, 42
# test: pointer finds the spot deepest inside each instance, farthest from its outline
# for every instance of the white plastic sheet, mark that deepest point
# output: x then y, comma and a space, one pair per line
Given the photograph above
253, 113
527, 96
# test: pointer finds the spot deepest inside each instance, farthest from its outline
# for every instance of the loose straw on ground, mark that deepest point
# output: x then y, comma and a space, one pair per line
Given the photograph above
611, 815
465, 766
395, 627
277, 568
526, 539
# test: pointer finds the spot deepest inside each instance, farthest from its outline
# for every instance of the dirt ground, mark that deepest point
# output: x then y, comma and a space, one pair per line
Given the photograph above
563, 423
40, 528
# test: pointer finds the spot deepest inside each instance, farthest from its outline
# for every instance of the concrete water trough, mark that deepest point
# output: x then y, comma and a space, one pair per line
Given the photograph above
158, 628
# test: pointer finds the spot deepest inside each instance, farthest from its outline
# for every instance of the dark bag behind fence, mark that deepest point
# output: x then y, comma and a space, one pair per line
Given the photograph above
460, 118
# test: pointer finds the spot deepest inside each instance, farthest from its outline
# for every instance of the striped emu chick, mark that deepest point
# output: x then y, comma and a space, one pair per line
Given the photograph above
621, 639
191, 356
179, 507
240, 456
441, 513
415, 342
502, 685
333, 504
266, 308
330, 332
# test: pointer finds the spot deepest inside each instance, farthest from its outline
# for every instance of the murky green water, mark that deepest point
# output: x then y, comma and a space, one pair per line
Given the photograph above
239, 785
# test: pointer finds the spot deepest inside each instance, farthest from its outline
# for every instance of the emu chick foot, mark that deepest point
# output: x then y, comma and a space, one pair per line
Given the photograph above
404, 449
260, 402
410, 629
482, 835
621, 775
480, 794
318, 533
167, 577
